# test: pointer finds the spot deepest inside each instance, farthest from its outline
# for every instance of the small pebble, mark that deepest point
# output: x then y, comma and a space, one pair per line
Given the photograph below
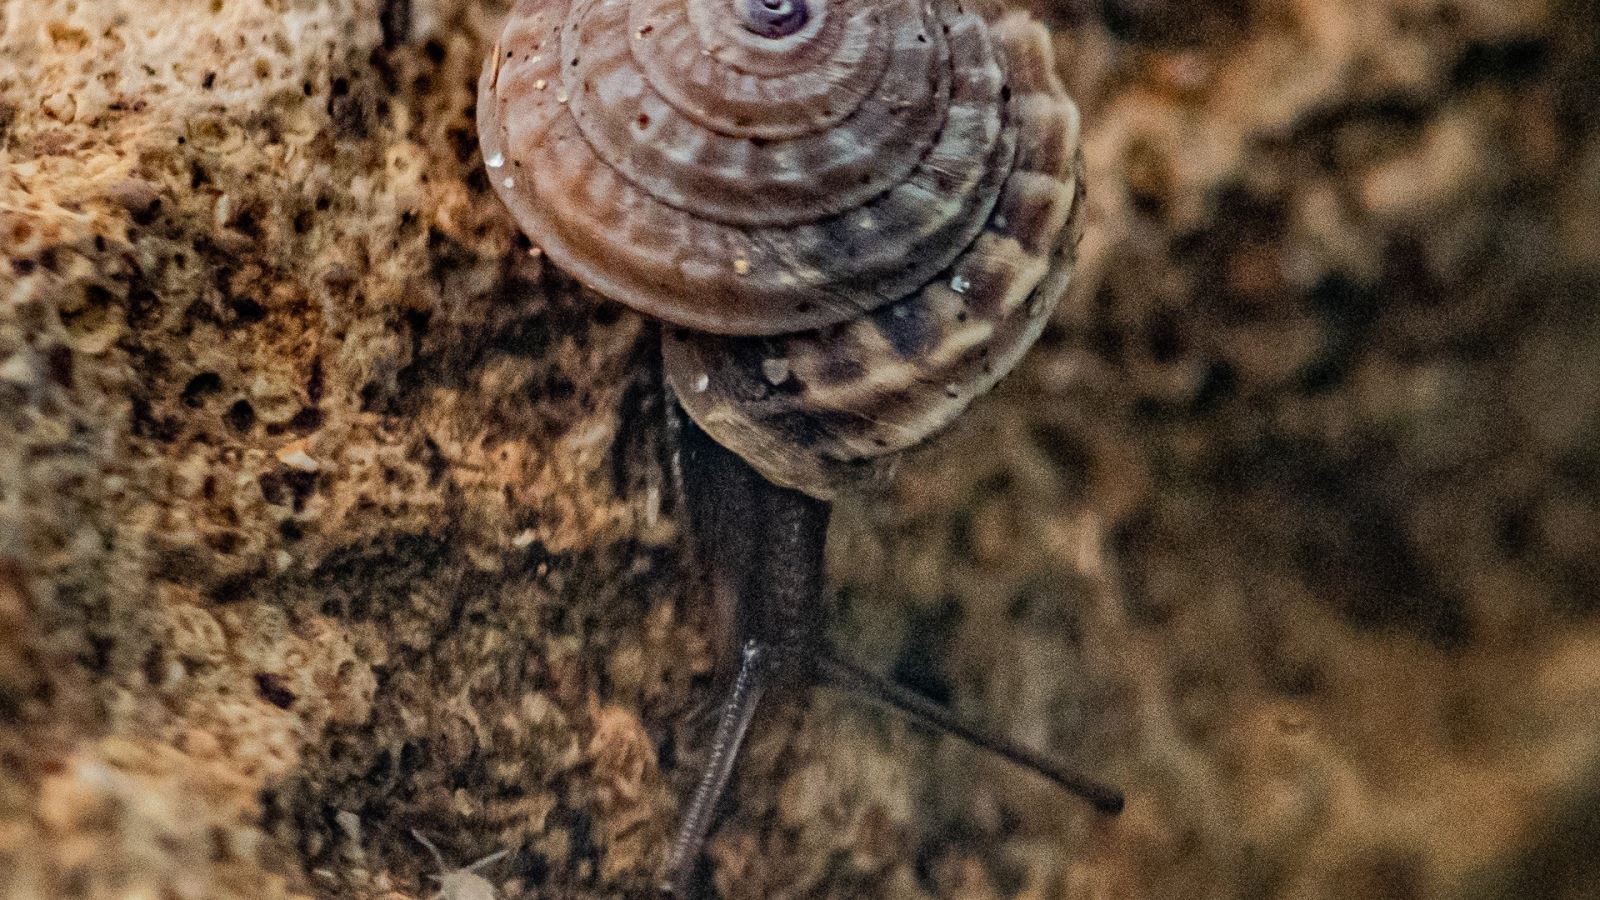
20, 368
298, 459
776, 370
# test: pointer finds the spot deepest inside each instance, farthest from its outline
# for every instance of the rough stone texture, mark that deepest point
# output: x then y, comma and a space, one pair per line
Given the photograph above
329, 512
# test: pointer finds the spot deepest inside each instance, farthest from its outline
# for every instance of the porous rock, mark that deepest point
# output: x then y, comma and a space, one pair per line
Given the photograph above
328, 511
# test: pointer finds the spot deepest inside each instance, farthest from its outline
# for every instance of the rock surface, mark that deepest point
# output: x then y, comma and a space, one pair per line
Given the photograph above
329, 512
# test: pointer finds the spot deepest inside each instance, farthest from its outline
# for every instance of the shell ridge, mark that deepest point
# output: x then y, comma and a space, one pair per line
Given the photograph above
888, 305
1010, 274
750, 171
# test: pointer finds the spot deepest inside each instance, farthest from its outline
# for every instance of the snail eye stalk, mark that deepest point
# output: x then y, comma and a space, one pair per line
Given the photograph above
762, 548
846, 674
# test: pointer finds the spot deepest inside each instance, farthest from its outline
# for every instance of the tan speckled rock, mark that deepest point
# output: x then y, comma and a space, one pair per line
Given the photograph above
313, 477
329, 512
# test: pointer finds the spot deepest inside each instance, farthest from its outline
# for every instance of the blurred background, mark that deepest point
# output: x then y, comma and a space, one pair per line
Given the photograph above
1306, 465
330, 511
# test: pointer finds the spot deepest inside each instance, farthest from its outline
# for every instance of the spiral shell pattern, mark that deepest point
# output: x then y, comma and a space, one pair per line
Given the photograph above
854, 215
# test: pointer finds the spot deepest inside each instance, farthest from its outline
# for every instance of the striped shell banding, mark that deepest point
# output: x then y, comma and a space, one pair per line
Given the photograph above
853, 215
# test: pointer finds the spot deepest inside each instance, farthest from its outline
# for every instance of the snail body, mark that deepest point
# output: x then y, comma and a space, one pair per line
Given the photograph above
853, 216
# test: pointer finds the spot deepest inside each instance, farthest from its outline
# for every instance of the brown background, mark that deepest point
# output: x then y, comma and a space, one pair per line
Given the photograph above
328, 511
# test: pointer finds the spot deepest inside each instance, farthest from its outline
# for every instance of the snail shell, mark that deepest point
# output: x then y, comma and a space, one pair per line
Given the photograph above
854, 215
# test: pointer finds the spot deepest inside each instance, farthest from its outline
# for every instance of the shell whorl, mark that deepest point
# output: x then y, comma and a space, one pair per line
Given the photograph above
854, 215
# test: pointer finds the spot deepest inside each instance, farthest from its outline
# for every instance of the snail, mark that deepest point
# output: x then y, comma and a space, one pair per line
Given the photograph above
851, 217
